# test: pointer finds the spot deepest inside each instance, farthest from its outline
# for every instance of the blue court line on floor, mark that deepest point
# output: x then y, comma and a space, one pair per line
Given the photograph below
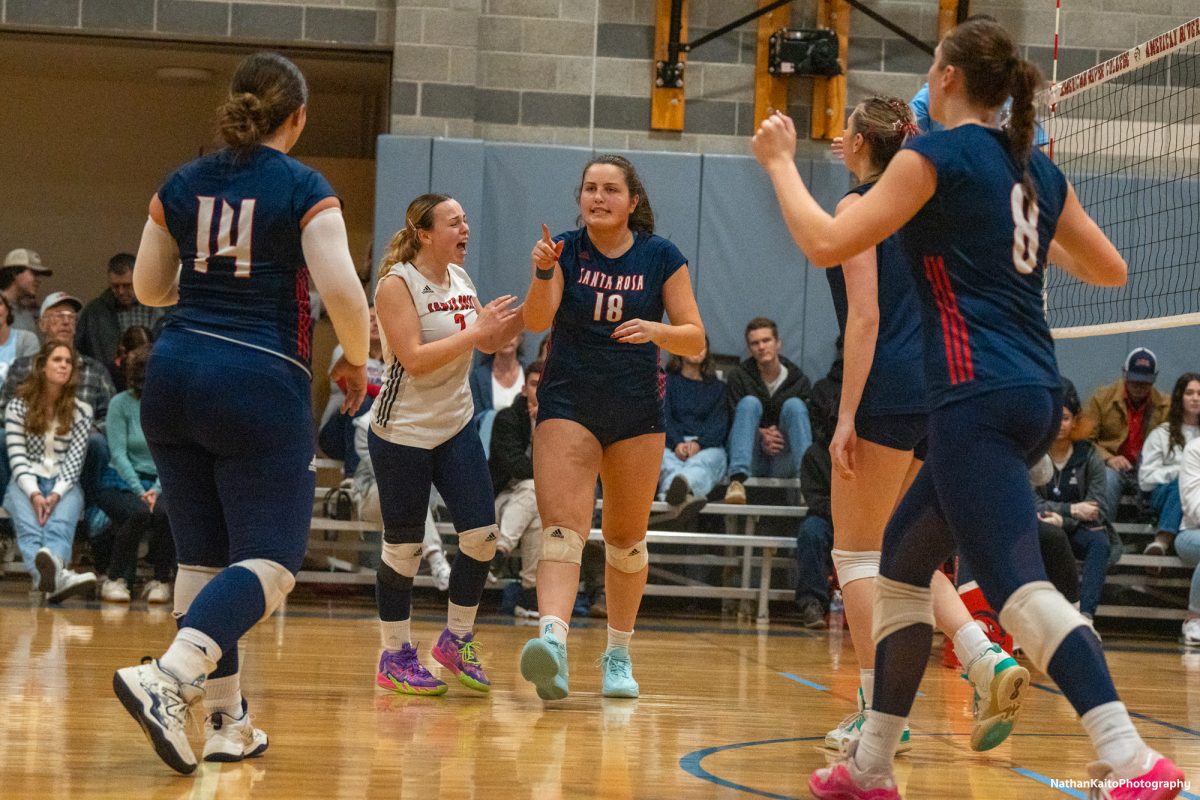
1134, 714
690, 764
1028, 773
800, 680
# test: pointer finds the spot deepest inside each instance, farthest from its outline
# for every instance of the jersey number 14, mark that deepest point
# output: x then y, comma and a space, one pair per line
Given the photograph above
238, 249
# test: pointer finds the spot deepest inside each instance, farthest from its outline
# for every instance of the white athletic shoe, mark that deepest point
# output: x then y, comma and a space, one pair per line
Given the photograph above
48, 567
230, 739
160, 703
1191, 632
69, 583
849, 729
439, 568
157, 592
114, 591
999, 683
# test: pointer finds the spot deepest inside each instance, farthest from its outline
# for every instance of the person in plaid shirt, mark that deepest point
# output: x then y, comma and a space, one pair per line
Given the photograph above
104, 320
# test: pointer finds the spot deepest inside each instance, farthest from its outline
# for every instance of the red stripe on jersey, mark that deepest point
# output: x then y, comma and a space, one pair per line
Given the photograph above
954, 327
303, 315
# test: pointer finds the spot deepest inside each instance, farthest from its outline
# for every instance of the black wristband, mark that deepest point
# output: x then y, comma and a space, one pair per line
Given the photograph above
543, 274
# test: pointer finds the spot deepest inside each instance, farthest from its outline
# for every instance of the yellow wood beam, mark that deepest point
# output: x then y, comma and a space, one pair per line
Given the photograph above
947, 16
829, 94
770, 91
666, 102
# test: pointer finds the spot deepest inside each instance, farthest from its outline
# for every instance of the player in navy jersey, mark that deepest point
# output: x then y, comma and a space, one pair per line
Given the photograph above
979, 211
878, 445
604, 287
232, 240
430, 324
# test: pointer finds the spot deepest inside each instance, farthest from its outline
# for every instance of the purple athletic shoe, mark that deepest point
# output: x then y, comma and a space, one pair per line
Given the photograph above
401, 671
461, 656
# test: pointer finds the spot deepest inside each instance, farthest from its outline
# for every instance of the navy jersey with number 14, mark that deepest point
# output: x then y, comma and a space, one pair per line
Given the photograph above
237, 223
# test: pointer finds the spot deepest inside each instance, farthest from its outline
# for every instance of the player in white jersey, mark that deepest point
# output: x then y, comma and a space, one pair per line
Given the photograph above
431, 323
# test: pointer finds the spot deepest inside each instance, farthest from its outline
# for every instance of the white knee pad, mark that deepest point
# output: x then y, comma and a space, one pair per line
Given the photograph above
562, 544
405, 558
189, 582
276, 579
1040, 618
479, 543
627, 559
899, 605
855, 565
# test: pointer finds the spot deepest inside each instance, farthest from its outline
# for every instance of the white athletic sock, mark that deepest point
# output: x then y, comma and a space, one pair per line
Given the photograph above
618, 638
461, 619
556, 627
969, 642
224, 695
395, 634
1115, 739
191, 656
877, 745
866, 679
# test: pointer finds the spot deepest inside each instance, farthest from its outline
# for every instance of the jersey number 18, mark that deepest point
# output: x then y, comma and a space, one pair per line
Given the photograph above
237, 249
616, 307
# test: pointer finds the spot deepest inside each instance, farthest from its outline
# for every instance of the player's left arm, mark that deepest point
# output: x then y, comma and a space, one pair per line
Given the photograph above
905, 186
683, 335
156, 269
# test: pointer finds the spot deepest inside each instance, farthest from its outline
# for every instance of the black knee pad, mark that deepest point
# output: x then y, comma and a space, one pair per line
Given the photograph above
391, 579
404, 534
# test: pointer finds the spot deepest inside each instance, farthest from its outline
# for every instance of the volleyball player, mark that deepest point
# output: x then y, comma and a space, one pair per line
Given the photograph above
978, 212
604, 287
879, 442
232, 239
431, 323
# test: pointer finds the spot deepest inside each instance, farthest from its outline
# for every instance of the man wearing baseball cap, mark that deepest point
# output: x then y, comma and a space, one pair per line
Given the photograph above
20, 279
1121, 415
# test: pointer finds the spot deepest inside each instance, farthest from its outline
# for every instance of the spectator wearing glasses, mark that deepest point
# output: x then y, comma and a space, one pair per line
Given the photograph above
20, 279
104, 320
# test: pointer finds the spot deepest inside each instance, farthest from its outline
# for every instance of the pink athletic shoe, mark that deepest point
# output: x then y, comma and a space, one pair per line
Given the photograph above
836, 782
1162, 781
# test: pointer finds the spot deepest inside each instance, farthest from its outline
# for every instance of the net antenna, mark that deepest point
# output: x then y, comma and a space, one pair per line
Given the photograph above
1126, 133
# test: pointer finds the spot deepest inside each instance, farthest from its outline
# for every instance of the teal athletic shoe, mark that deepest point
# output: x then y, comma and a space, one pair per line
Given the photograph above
544, 664
618, 674
999, 683
850, 729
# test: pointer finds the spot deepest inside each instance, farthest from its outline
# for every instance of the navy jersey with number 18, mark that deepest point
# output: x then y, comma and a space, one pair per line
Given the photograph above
978, 254
237, 223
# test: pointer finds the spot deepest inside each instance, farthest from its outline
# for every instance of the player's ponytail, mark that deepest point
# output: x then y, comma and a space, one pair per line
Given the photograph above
405, 243
641, 220
266, 89
993, 71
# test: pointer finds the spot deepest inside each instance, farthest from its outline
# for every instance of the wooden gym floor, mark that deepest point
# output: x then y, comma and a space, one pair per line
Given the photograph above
725, 712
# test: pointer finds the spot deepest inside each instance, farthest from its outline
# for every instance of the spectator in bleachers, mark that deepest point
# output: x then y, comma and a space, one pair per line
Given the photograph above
1073, 499
46, 433
20, 279
814, 544
337, 433
1159, 472
511, 463
1120, 416
1187, 543
1053, 542
104, 320
496, 382
133, 338
697, 421
771, 430
14, 342
59, 315
131, 495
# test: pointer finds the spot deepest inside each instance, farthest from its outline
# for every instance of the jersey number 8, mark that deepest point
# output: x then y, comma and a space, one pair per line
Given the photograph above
616, 307
239, 249
1025, 232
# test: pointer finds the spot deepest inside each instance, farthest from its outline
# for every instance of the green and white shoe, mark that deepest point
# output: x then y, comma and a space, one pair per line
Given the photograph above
850, 729
999, 683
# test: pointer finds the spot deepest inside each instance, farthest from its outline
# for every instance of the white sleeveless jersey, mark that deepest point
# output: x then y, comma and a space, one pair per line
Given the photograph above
425, 411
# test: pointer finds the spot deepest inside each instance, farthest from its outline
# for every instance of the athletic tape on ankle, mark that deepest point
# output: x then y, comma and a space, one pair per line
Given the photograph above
189, 582
1040, 618
855, 565
899, 605
276, 580
479, 543
405, 559
627, 559
562, 545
